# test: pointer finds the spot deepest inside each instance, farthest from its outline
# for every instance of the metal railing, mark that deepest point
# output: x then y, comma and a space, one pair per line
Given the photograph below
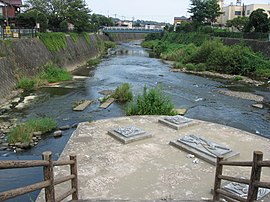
17, 33
254, 181
49, 181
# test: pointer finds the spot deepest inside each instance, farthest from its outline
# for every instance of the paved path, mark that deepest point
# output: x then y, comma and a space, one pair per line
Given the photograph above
151, 169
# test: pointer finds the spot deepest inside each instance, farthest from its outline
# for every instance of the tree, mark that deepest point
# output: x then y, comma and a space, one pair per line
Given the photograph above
204, 11
258, 20
30, 19
99, 21
239, 23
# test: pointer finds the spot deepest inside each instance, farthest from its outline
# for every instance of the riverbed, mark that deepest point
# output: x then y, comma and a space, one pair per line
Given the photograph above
130, 63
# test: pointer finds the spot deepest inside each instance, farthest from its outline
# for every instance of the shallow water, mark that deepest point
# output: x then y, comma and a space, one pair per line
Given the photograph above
198, 94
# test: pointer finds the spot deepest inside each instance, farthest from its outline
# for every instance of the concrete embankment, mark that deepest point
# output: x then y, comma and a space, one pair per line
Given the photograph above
152, 169
26, 57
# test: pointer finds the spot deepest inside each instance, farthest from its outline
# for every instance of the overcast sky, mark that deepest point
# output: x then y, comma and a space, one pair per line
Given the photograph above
157, 10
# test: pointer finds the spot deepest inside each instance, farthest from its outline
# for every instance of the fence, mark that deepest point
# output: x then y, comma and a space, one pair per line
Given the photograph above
243, 35
17, 33
254, 182
49, 181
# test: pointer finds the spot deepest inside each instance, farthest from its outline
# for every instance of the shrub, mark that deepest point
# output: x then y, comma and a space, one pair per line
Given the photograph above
151, 102
123, 93
27, 84
93, 62
153, 36
55, 74
24, 132
190, 67
237, 78
109, 44
178, 65
54, 41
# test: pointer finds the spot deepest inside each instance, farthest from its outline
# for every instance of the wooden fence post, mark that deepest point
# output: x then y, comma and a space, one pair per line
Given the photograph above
49, 175
217, 185
74, 181
255, 176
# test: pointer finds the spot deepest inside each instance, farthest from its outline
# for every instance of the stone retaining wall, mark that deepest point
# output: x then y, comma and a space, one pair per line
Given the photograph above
26, 57
257, 46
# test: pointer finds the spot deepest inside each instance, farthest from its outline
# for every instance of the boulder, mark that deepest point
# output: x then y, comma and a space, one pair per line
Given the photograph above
3, 148
66, 127
181, 112
57, 134
24, 146
75, 125
37, 134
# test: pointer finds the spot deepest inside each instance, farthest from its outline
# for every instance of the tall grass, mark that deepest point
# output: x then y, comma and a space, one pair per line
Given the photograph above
151, 102
123, 93
54, 41
24, 132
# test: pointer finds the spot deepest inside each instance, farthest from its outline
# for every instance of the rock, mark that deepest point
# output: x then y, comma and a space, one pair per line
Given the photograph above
32, 144
5, 144
181, 112
260, 106
106, 92
57, 134
190, 156
75, 125
35, 139
3, 148
195, 161
37, 134
66, 127
19, 150
24, 145
1, 141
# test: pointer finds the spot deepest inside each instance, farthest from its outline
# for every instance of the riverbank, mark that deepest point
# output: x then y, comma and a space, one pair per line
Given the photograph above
151, 168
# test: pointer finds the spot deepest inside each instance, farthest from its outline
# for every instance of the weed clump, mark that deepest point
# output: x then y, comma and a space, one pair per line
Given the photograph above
123, 93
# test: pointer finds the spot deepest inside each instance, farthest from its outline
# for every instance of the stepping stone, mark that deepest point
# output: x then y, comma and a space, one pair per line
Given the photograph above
83, 106
107, 103
181, 112
106, 92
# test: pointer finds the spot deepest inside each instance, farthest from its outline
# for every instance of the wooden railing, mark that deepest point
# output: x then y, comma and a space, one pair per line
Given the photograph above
49, 181
254, 181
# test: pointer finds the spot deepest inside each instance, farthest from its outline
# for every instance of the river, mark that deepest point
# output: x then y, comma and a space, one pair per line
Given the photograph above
133, 65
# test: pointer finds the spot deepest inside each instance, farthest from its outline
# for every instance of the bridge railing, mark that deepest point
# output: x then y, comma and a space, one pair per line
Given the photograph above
49, 181
254, 182
133, 29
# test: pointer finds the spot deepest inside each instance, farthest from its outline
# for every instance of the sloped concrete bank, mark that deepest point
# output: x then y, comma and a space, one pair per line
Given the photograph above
26, 57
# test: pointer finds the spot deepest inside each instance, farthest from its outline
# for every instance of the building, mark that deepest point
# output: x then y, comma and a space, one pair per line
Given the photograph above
179, 20
124, 24
9, 9
238, 10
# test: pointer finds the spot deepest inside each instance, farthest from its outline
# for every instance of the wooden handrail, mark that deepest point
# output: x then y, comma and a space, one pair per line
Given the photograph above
254, 181
236, 163
233, 179
49, 182
24, 190
22, 164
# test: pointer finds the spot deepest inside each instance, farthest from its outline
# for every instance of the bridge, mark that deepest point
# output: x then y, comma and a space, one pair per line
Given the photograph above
130, 30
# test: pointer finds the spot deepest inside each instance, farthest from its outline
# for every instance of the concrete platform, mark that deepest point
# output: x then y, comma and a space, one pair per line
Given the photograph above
151, 169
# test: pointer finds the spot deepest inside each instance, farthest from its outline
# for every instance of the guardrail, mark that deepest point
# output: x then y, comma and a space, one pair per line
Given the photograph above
130, 30
49, 181
254, 182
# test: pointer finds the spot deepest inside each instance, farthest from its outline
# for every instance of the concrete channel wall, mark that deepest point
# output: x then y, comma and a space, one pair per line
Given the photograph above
26, 57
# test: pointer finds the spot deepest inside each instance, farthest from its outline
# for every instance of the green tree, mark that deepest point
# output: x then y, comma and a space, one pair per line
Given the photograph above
204, 11
77, 13
258, 20
30, 19
239, 23
98, 21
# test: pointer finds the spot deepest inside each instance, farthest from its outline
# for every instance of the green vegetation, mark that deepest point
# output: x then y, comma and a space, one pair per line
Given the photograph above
208, 54
151, 102
238, 78
24, 132
93, 62
55, 74
50, 74
123, 93
86, 37
74, 36
109, 44
54, 41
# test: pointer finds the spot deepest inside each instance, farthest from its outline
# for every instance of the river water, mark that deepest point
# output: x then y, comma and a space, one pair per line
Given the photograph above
131, 64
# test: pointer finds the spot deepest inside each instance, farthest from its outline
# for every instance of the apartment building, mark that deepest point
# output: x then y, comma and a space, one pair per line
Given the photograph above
237, 10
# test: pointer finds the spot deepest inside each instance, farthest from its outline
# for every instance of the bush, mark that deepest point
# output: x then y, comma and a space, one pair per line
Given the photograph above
93, 62
153, 36
24, 132
27, 84
151, 102
55, 74
123, 93
109, 44
237, 78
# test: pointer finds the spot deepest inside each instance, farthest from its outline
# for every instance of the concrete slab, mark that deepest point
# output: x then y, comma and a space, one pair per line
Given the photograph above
184, 124
83, 106
107, 103
151, 169
126, 140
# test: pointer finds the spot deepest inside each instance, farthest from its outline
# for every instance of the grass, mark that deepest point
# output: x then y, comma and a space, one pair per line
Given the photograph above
197, 52
74, 36
237, 78
54, 41
87, 38
53, 73
123, 93
93, 62
151, 102
24, 132
50, 74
